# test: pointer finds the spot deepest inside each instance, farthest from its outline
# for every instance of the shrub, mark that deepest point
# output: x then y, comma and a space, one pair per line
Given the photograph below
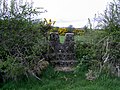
22, 44
84, 54
110, 21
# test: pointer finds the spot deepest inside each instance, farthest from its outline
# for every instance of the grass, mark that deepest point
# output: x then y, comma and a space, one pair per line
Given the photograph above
90, 37
52, 80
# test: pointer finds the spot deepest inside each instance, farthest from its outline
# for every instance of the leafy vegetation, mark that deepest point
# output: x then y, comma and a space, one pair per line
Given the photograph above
21, 42
109, 56
24, 45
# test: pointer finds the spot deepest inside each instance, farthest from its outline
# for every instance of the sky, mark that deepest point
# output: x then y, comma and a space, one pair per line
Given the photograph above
71, 12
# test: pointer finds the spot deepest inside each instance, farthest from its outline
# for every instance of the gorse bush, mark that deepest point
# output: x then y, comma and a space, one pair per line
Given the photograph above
22, 48
21, 43
62, 31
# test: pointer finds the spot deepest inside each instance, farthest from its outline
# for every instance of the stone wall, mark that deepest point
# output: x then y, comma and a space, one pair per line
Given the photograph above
62, 55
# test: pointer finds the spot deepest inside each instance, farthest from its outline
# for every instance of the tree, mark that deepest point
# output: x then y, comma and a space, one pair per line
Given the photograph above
70, 28
110, 19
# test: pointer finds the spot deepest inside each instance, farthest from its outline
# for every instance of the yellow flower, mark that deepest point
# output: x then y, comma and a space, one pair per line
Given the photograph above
49, 22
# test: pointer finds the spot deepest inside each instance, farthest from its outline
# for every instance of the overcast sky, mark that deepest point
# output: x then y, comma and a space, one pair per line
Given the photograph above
71, 12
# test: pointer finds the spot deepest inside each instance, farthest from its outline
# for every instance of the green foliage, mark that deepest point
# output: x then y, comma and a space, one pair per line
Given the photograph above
91, 53
110, 20
21, 43
99, 52
65, 81
84, 54
109, 54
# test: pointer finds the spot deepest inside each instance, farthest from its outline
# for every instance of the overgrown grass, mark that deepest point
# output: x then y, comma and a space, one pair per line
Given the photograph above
89, 37
52, 80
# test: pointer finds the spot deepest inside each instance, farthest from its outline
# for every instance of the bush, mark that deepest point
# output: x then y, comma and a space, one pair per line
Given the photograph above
110, 21
21, 45
84, 54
